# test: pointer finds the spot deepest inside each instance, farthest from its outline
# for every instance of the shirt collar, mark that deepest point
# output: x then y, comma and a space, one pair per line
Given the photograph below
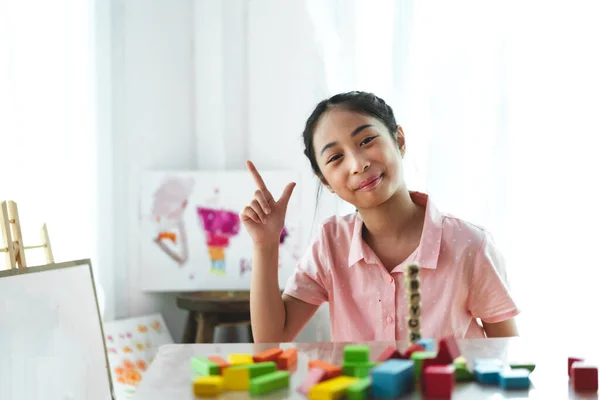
426, 254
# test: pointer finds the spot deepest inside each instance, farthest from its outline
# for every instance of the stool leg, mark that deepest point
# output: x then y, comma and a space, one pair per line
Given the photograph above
206, 327
189, 333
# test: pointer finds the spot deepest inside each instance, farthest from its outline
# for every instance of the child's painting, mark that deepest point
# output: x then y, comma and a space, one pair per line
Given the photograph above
191, 236
131, 345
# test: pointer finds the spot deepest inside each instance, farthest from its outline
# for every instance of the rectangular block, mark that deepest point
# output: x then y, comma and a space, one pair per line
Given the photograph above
418, 357
393, 378
356, 354
221, 363
208, 386
314, 376
240, 359
439, 381
287, 359
360, 390
331, 371
514, 378
268, 355
488, 374
238, 377
269, 382
523, 365
357, 369
584, 377
202, 366
331, 389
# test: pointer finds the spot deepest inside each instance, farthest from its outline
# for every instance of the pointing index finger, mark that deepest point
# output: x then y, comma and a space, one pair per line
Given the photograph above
257, 178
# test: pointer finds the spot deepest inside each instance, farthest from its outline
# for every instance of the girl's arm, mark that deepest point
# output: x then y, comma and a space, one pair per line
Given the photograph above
505, 328
275, 318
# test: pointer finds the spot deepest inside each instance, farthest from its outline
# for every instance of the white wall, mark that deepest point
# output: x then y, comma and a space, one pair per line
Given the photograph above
186, 85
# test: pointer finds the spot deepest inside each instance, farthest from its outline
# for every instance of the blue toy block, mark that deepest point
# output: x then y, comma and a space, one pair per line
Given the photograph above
488, 374
517, 378
393, 378
489, 361
428, 344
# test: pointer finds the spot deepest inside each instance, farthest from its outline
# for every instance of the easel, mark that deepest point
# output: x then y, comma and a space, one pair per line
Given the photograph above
12, 239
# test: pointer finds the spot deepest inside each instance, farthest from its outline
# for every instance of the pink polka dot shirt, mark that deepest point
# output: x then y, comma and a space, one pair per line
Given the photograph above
463, 278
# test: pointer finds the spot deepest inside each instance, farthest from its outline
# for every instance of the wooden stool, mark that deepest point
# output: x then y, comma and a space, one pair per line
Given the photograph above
209, 309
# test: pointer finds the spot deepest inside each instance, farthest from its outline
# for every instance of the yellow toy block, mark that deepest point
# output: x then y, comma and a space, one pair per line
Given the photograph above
332, 389
236, 379
208, 386
240, 359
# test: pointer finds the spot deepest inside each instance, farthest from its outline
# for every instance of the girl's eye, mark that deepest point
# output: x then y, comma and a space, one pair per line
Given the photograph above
367, 140
333, 158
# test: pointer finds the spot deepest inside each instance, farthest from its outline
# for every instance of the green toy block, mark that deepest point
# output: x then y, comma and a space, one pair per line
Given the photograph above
418, 357
357, 370
257, 369
202, 366
461, 372
356, 354
359, 390
527, 366
269, 382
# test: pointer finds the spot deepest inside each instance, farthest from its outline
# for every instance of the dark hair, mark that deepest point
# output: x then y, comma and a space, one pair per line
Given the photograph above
360, 102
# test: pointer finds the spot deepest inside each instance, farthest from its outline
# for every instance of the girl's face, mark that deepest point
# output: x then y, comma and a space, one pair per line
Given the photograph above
358, 158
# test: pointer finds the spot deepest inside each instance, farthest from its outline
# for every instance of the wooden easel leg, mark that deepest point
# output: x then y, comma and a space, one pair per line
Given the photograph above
7, 240
46, 243
18, 240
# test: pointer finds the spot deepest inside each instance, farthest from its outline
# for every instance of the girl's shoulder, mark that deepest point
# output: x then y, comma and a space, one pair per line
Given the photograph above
460, 230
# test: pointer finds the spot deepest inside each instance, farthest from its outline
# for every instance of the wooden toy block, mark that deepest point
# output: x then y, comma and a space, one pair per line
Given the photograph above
388, 354
314, 376
488, 374
268, 355
332, 389
357, 370
393, 378
222, 364
427, 344
461, 372
240, 359
448, 350
288, 359
411, 349
584, 377
331, 371
571, 361
238, 377
489, 361
359, 390
208, 386
202, 366
269, 382
418, 357
517, 378
356, 354
439, 381
521, 365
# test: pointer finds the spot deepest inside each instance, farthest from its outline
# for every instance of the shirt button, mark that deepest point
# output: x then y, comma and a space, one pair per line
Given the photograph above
389, 320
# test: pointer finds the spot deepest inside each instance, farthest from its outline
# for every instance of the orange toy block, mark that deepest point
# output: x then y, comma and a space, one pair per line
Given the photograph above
331, 371
221, 363
268, 355
287, 359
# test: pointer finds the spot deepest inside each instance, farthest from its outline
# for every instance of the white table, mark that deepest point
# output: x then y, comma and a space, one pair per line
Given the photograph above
169, 376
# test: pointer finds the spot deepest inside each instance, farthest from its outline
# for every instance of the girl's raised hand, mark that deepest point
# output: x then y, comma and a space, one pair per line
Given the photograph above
264, 217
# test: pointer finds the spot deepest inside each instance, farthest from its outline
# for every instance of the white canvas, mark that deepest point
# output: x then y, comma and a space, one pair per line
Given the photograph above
51, 342
191, 237
131, 345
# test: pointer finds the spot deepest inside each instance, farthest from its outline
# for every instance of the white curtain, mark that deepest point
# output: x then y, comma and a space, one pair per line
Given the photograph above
48, 161
499, 102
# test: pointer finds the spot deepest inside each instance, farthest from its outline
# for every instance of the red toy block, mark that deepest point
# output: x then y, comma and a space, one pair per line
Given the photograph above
314, 376
288, 359
221, 363
268, 355
331, 371
439, 381
571, 361
584, 377
388, 354
411, 349
448, 350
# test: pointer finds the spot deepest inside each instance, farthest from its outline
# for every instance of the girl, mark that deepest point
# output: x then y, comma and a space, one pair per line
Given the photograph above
356, 262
